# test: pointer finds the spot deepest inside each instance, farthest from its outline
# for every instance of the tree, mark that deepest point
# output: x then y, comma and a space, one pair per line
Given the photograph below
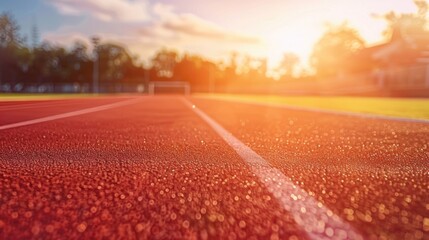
164, 63
288, 65
408, 23
335, 45
114, 62
49, 64
232, 69
79, 63
187, 68
9, 32
11, 58
252, 69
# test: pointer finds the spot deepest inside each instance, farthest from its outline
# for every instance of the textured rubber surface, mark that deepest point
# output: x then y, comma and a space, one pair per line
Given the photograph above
371, 172
155, 169
148, 169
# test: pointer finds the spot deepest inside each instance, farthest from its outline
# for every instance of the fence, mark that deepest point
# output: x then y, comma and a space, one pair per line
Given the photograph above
69, 88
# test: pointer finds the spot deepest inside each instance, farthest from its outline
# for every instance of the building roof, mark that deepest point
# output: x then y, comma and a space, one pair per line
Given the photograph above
403, 49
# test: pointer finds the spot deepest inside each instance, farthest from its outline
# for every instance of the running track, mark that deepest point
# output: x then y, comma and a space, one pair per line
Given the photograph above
175, 167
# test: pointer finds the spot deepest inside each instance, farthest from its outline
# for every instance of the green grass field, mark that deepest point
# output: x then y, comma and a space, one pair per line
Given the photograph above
396, 107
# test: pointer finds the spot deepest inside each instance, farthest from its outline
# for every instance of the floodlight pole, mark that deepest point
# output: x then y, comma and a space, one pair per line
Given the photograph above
95, 71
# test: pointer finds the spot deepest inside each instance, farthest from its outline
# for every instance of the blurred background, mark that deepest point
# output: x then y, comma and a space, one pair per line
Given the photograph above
365, 48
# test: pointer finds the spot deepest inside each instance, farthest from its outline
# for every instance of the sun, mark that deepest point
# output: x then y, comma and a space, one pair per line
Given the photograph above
287, 40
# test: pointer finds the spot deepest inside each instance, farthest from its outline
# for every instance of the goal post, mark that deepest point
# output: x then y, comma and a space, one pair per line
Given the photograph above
153, 86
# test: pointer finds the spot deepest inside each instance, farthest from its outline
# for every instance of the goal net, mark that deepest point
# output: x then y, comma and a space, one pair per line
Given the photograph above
169, 87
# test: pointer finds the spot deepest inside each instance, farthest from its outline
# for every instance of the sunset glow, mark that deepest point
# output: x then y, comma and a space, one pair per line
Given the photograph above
221, 119
209, 28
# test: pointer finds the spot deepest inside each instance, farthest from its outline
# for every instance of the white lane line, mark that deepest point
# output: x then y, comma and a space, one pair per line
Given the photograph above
317, 220
34, 105
68, 114
45, 103
326, 111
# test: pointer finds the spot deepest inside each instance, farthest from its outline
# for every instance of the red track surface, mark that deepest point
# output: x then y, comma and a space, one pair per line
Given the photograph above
154, 168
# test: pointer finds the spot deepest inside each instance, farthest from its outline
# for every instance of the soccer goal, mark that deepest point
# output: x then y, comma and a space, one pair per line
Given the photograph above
169, 87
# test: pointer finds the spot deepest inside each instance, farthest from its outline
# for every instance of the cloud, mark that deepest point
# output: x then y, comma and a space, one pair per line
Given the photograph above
192, 25
162, 21
159, 26
189, 25
105, 10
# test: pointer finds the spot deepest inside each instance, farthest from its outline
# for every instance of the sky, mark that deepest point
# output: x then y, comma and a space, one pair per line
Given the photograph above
213, 29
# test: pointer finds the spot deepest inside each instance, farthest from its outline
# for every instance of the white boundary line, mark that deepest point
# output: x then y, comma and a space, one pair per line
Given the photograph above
318, 110
68, 114
34, 105
312, 216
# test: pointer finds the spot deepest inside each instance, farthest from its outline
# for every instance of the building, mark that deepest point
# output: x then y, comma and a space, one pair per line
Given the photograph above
400, 64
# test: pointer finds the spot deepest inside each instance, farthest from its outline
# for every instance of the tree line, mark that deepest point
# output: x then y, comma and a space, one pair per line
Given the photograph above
50, 64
